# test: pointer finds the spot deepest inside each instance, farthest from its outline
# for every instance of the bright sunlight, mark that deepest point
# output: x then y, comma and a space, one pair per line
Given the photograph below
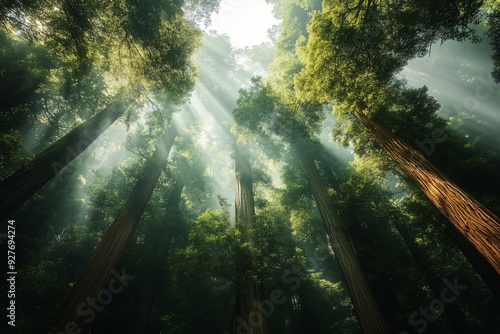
245, 22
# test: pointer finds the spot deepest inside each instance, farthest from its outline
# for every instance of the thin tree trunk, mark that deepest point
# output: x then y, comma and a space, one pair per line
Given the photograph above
249, 294
157, 246
452, 311
96, 280
368, 313
478, 225
385, 294
21, 185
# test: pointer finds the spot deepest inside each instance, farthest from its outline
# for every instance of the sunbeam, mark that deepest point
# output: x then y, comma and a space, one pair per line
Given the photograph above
459, 78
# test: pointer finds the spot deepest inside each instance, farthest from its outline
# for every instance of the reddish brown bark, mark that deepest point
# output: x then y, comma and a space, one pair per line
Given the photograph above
97, 275
476, 223
249, 294
24, 183
368, 313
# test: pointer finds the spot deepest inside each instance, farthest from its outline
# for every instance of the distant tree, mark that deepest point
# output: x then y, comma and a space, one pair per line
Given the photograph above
156, 243
28, 67
249, 289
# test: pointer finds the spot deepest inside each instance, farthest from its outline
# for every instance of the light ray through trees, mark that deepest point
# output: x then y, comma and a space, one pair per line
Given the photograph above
458, 75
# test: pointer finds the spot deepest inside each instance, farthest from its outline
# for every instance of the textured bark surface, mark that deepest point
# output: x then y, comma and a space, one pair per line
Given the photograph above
99, 269
369, 316
479, 226
249, 294
21, 185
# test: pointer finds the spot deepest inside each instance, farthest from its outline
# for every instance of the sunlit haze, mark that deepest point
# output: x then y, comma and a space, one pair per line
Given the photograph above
245, 22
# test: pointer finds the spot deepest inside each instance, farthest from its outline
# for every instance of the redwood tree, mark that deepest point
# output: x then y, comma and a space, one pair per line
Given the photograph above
249, 293
476, 223
367, 311
79, 308
261, 111
21, 185
352, 59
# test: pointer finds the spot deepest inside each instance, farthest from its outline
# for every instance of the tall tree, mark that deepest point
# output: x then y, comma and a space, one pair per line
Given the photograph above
367, 311
25, 182
480, 226
28, 68
360, 70
158, 63
249, 291
78, 310
263, 113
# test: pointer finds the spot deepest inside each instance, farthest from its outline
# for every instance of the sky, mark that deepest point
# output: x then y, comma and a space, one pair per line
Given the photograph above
245, 21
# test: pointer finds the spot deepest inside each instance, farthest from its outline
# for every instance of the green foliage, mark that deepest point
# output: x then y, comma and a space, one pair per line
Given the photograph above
494, 34
13, 153
258, 58
107, 194
48, 277
28, 67
261, 111
293, 34
142, 40
199, 11
276, 249
325, 306
212, 244
358, 45
189, 165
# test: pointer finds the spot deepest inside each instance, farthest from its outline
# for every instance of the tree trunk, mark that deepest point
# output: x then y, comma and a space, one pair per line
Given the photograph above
364, 234
369, 316
480, 264
452, 311
21, 185
249, 294
96, 281
157, 245
479, 226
